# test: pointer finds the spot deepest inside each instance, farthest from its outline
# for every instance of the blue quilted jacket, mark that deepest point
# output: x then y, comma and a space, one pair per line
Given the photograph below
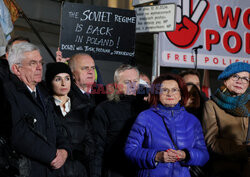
149, 136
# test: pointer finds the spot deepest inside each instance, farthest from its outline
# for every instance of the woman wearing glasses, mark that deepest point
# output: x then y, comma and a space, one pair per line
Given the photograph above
166, 139
226, 122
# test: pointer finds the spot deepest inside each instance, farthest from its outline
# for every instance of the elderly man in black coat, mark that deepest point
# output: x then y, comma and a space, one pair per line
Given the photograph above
33, 133
112, 122
84, 88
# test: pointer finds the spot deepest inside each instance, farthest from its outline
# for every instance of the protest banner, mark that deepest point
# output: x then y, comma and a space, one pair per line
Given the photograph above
104, 33
155, 18
220, 26
140, 2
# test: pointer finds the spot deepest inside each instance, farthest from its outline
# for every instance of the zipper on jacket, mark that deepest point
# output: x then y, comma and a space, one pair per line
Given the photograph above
172, 113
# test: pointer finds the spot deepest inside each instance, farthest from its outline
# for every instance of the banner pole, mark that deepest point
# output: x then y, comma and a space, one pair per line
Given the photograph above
20, 11
155, 64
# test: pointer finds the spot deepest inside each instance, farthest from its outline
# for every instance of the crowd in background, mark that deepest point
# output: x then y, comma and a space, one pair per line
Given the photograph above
71, 125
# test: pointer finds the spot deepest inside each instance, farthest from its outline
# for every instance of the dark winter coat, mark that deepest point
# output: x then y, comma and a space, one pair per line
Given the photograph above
77, 129
33, 131
4, 77
97, 95
112, 122
149, 136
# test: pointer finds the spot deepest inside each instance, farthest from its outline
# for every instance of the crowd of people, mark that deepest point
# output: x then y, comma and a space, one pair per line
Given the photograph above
69, 125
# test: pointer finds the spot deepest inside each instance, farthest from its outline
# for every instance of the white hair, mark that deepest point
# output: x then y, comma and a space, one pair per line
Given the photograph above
16, 52
123, 68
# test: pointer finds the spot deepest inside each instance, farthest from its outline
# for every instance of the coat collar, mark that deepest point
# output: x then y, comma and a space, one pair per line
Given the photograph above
21, 87
168, 112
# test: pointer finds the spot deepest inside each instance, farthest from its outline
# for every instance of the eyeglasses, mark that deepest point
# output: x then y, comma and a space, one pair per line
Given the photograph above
236, 77
34, 63
168, 91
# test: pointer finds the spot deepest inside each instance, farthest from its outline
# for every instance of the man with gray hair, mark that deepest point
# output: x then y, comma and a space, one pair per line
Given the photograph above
33, 134
112, 122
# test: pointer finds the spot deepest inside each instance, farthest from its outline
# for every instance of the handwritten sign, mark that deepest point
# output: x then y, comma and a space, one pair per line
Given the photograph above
155, 18
104, 33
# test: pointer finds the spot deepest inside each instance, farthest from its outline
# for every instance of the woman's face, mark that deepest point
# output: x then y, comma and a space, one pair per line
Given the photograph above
238, 83
61, 84
170, 93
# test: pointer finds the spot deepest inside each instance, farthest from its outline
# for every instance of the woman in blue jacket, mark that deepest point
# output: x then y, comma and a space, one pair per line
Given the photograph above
165, 139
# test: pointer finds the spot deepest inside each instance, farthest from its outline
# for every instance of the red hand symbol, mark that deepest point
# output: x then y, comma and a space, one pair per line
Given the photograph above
184, 34
188, 29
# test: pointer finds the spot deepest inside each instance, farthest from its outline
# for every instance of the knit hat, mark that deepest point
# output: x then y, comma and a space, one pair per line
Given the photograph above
52, 69
234, 68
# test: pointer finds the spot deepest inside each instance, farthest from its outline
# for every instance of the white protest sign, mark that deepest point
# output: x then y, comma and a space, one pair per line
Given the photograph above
138, 2
155, 18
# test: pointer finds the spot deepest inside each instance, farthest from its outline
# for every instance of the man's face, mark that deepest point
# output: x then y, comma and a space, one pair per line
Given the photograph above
146, 79
128, 82
194, 97
192, 78
30, 69
84, 71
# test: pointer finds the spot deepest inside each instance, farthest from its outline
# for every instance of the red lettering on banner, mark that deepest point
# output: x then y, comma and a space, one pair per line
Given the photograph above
184, 57
247, 40
230, 61
215, 60
206, 59
223, 62
168, 56
238, 42
176, 57
212, 37
246, 19
223, 19
192, 58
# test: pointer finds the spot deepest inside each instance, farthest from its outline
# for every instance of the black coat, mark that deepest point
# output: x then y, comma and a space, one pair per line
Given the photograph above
77, 128
97, 96
4, 77
112, 122
33, 131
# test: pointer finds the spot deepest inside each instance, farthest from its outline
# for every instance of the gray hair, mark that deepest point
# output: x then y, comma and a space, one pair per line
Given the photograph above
16, 52
72, 63
123, 68
114, 94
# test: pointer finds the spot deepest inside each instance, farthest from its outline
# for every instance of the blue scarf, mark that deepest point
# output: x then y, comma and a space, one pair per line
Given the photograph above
233, 105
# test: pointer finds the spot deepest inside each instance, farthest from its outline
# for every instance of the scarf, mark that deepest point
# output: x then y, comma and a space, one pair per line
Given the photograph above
233, 105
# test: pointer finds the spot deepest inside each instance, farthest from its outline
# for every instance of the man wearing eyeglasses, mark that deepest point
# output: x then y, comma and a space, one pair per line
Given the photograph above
33, 130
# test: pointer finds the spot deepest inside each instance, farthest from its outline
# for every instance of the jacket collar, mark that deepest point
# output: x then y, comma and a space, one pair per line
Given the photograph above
21, 87
167, 112
76, 103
